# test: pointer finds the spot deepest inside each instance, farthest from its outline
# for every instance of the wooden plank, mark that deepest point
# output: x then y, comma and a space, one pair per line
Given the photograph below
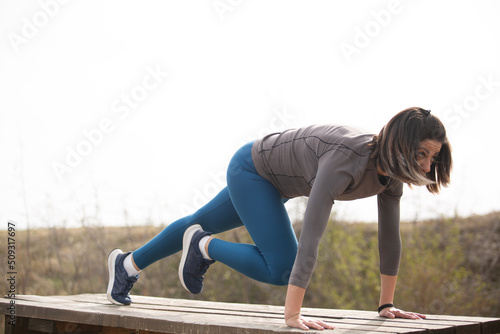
490, 327
176, 301
41, 325
407, 327
331, 315
74, 304
175, 315
73, 327
461, 324
261, 317
164, 322
37, 326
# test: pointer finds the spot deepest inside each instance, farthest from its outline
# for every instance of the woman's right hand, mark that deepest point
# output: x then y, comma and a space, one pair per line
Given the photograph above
298, 321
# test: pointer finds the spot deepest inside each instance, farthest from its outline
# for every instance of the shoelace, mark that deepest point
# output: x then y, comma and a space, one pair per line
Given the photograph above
203, 267
129, 283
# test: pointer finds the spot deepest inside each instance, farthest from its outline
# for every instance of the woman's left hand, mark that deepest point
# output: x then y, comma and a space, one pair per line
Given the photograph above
392, 312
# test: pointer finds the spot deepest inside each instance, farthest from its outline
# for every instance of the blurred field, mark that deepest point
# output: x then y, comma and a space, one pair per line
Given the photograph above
448, 266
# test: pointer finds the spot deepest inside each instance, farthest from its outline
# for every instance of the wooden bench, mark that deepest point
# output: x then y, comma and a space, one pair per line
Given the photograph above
92, 313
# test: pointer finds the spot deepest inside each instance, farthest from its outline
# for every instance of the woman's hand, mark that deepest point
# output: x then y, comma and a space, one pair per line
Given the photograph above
298, 321
392, 312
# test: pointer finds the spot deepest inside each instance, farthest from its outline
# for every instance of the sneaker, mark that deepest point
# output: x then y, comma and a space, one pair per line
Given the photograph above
193, 266
120, 283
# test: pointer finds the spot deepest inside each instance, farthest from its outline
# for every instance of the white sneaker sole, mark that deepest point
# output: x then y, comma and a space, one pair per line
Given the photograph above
111, 269
186, 241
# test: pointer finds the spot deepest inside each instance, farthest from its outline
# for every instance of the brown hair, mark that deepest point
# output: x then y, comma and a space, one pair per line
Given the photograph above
395, 149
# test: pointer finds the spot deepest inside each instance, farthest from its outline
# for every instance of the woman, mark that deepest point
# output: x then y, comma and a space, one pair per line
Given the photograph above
325, 163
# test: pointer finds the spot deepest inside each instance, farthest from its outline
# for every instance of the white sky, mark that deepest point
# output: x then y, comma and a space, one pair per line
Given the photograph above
225, 72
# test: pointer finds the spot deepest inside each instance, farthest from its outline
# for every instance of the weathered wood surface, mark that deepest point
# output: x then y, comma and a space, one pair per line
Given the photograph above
164, 315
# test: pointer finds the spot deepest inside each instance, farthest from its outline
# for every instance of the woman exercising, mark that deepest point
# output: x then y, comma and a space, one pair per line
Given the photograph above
325, 163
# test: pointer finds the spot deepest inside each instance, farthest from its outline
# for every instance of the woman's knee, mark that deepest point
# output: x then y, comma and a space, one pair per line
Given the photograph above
280, 277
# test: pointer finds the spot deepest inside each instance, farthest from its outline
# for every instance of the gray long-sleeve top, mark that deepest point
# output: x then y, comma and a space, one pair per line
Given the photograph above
328, 163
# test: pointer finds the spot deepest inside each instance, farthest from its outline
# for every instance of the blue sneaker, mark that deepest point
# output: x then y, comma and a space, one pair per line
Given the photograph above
193, 266
120, 283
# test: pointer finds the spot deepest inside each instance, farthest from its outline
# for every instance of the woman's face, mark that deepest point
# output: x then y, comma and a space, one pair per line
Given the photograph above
427, 153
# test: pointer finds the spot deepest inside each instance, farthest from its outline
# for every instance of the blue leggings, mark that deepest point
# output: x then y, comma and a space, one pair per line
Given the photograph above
248, 200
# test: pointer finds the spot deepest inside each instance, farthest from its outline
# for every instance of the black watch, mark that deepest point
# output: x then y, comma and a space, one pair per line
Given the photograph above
384, 306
